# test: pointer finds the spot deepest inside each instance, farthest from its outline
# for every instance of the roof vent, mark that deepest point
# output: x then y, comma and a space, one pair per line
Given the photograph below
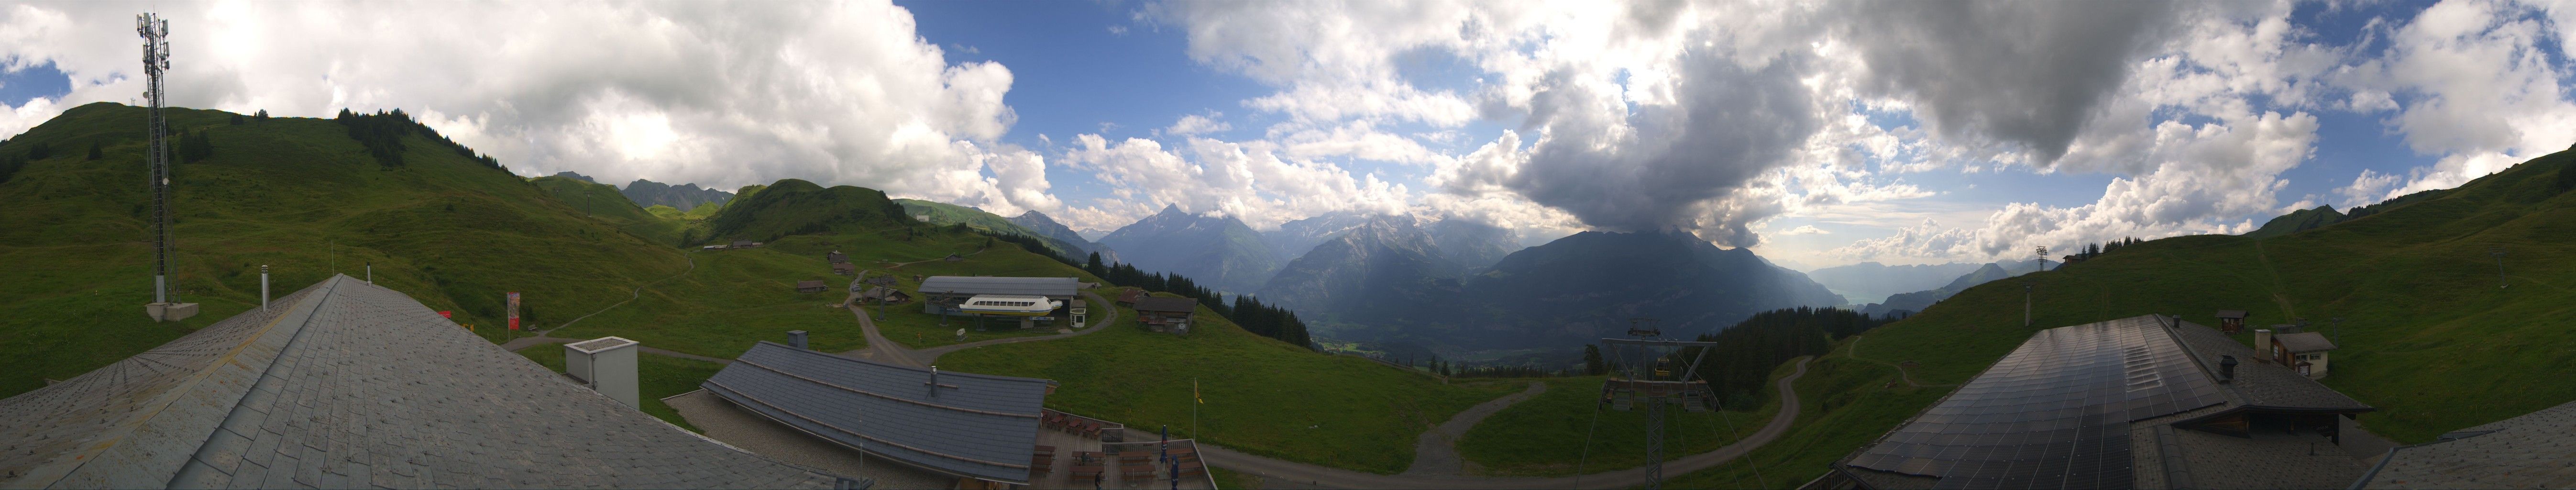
2226, 369
796, 338
605, 364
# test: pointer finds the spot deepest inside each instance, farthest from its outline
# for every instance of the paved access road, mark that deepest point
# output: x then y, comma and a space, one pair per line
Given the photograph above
1307, 474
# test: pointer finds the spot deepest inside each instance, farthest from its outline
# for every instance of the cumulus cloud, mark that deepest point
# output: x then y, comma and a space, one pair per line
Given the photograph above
726, 95
2479, 89
1250, 181
2030, 73
1196, 123
1806, 230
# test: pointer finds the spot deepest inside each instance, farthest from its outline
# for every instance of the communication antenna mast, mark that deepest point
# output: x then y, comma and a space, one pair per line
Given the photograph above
1649, 378
156, 59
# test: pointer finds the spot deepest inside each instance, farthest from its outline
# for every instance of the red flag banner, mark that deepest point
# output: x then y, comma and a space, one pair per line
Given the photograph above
448, 314
514, 310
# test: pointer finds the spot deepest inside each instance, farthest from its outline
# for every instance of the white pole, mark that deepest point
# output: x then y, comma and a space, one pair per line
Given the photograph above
371, 273
263, 287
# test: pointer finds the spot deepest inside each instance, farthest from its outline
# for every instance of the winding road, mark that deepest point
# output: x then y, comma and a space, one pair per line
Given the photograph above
1321, 476
1436, 453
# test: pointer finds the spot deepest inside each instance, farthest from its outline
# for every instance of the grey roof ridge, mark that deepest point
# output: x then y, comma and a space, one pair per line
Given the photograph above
845, 430
902, 367
2173, 326
167, 464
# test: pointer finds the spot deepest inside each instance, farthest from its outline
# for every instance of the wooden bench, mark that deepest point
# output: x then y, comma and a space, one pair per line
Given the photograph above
1192, 467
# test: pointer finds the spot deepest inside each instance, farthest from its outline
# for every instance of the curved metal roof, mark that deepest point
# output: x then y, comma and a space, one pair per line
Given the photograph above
968, 425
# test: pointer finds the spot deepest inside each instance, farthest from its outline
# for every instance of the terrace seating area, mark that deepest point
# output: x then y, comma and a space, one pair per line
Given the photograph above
1074, 451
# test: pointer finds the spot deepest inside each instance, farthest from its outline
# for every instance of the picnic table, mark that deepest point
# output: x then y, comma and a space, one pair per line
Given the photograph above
1087, 463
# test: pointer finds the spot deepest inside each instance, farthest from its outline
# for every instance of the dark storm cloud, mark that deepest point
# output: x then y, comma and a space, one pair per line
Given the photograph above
1729, 125
2029, 73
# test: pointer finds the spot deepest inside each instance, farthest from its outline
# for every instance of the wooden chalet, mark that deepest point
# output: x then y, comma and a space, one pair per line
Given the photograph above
845, 269
837, 257
811, 286
1165, 314
2231, 321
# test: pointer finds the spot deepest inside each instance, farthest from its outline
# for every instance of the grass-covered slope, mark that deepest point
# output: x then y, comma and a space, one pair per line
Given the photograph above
940, 213
2428, 335
1263, 396
297, 194
603, 202
797, 207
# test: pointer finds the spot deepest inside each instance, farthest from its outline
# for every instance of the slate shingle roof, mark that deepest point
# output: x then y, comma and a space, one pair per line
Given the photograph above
350, 385
1172, 305
2304, 342
2535, 450
2262, 384
969, 425
1054, 287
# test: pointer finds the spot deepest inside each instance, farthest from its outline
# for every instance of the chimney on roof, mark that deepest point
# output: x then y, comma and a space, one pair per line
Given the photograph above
796, 338
2226, 369
2263, 342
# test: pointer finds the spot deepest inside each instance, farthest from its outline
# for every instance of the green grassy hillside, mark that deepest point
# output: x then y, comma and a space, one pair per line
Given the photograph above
1263, 396
2428, 335
940, 213
797, 207
299, 195
602, 202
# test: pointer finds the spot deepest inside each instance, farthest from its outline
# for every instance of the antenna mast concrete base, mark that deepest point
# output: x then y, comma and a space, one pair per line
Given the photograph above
170, 312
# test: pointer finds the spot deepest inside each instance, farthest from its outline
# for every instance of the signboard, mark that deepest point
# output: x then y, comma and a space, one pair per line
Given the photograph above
514, 310
448, 314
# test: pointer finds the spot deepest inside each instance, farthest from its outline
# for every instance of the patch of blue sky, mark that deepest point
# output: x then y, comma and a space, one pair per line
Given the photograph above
22, 82
1082, 68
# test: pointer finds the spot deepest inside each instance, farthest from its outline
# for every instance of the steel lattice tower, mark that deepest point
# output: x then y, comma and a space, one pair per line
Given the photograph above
156, 59
1641, 379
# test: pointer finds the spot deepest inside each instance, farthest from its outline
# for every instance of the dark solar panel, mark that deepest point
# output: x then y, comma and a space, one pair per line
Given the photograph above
2053, 414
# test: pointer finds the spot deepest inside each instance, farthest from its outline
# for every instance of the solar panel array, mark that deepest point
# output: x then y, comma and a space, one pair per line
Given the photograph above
2053, 414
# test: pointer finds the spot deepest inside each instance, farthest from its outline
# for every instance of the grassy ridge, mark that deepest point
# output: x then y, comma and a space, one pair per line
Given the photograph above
1544, 436
2428, 337
1263, 396
603, 202
296, 194
940, 213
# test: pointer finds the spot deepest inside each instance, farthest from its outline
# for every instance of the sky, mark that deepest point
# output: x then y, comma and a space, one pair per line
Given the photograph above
1817, 134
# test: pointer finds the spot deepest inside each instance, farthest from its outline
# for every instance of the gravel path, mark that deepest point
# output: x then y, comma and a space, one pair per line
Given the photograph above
1301, 475
1436, 453
748, 431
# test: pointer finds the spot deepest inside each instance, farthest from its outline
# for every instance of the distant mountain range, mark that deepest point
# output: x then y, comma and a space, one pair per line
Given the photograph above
1048, 228
1565, 293
1376, 269
1869, 280
646, 193
1217, 251
1918, 300
683, 196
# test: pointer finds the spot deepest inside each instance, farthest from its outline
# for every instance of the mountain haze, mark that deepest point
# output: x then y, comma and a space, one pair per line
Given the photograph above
1219, 252
1375, 270
1047, 227
1867, 280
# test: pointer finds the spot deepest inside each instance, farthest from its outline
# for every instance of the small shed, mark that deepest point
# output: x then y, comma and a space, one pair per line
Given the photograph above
2304, 351
2231, 321
811, 286
886, 294
742, 244
837, 257
845, 269
1128, 296
955, 258
1165, 314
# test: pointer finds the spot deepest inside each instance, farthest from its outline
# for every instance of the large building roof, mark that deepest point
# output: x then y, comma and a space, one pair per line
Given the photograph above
350, 385
1058, 287
2096, 406
2305, 342
2530, 451
1173, 305
968, 425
